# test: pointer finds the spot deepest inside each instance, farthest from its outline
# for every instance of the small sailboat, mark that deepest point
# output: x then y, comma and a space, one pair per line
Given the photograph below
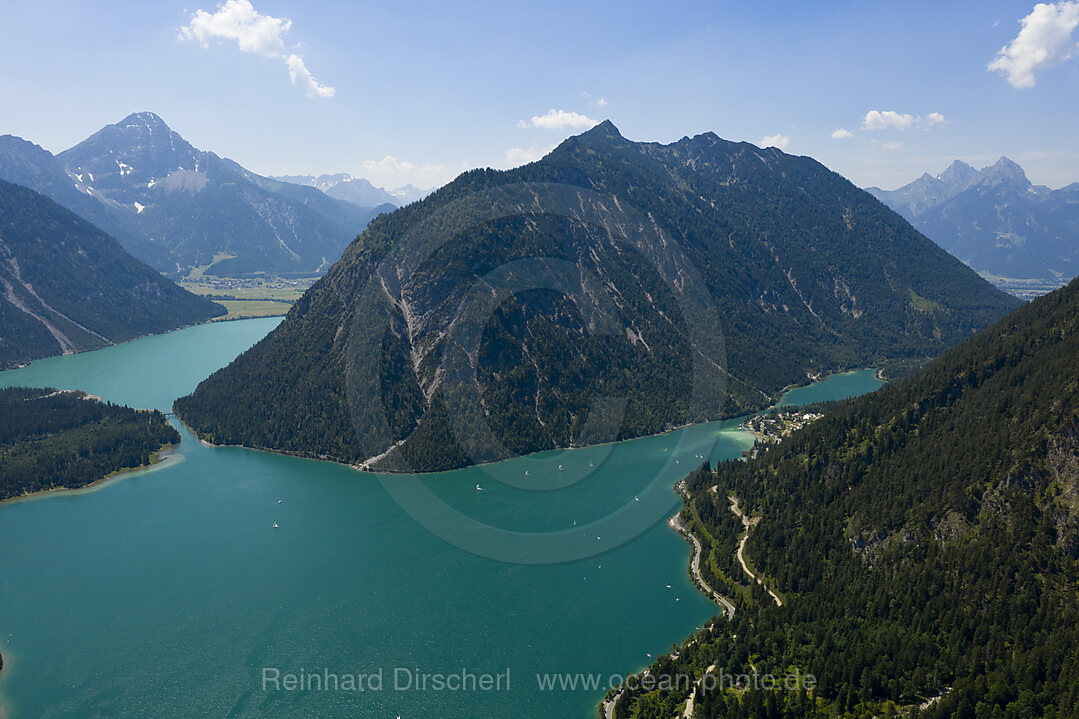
280, 501
275, 525
668, 586
479, 488
559, 468
526, 472
591, 465
635, 499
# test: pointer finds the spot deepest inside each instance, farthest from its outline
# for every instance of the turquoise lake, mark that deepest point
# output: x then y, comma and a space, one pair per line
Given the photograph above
837, 386
168, 592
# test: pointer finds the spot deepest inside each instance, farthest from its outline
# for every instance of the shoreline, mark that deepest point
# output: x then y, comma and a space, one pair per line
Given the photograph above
679, 527
4, 661
209, 321
163, 458
363, 469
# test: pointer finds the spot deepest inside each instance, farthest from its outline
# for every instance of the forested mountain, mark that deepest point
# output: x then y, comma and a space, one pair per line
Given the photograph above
66, 286
51, 439
924, 540
175, 207
693, 281
356, 190
994, 219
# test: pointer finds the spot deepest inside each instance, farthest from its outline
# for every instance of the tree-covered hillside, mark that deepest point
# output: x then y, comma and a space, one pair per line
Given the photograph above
66, 286
605, 291
924, 540
51, 439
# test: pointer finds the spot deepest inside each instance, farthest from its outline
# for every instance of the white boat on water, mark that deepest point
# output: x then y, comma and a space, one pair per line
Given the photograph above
559, 468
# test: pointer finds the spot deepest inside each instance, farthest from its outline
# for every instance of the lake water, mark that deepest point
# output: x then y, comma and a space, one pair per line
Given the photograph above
837, 386
169, 592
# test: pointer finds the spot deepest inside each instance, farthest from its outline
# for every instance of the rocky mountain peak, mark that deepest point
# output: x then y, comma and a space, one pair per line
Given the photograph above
959, 174
1004, 172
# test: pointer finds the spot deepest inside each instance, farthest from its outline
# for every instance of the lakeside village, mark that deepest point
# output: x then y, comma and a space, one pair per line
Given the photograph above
225, 285
772, 426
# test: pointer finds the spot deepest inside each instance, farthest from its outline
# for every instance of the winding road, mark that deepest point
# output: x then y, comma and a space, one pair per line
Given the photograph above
679, 526
747, 523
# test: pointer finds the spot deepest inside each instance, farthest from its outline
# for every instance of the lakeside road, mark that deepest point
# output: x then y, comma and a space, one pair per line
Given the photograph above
609, 705
679, 526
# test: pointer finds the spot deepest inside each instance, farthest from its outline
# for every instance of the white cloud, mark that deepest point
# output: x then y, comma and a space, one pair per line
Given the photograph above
602, 102
517, 156
877, 120
238, 20
891, 145
523, 124
302, 79
777, 140
558, 119
391, 172
890, 119
842, 134
1044, 41
255, 33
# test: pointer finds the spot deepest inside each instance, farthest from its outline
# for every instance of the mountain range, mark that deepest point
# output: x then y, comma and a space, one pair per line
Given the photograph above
177, 207
995, 219
66, 286
924, 541
609, 290
357, 190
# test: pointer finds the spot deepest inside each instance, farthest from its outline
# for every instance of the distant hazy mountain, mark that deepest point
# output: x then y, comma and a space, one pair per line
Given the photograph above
409, 193
357, 190
176, 207
807, 272
994, 219
66, 286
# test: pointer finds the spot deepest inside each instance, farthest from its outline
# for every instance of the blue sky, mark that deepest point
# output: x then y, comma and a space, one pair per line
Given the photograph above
421, 91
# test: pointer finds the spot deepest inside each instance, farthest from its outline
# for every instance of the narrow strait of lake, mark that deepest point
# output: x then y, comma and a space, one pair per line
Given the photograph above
169, 592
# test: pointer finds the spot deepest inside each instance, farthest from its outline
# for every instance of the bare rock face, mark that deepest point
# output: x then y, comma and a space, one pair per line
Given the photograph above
606, 291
